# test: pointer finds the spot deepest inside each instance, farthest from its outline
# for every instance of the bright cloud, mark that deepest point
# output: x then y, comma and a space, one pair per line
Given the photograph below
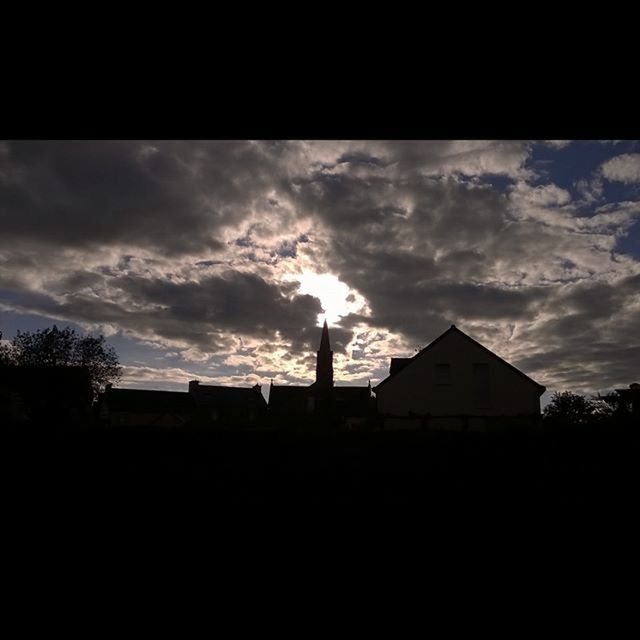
623, 168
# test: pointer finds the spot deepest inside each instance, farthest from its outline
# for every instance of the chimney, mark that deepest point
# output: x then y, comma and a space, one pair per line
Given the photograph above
257, 387
108, 387
193, 385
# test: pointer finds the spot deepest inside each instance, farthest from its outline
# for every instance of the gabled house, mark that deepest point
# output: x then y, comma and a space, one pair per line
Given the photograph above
456, 383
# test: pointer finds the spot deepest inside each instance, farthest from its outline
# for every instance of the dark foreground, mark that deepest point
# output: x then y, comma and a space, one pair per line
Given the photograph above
128, 471
288, 518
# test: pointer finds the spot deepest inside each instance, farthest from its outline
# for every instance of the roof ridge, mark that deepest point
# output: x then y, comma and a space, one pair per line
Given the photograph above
474, 341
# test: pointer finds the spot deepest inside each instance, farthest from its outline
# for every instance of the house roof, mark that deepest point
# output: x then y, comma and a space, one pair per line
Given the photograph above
394, 371
145, 400
229, 397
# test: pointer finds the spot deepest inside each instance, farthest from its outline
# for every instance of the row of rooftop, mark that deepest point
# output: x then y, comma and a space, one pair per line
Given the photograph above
454, 382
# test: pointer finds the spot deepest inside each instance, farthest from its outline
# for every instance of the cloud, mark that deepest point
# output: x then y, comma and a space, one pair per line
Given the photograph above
185, 313
428, 251
624, 168
196, 247
557, 144
177, 379
585, 337
467, 157
174, 197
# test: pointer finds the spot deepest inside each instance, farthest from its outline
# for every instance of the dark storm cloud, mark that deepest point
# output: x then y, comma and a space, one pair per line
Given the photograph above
239, 302
418, 309
407, 247
436, 157
426, 213
593, 365
169, 196
361, 157
592, 336
197, 313
474, 301
602, 299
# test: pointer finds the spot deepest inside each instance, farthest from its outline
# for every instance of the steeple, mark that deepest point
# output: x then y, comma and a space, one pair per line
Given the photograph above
324, 340
324, 361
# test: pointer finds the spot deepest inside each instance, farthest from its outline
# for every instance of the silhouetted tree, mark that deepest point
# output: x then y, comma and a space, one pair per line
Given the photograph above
615, 401
568, 409
65, 347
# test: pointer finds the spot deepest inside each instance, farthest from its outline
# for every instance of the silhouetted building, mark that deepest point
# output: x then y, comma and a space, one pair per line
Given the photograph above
353, 405
228, 406
350, 406
631, 398
456, 383
45, 395
324, 363
397, 364
144, 407
202, 405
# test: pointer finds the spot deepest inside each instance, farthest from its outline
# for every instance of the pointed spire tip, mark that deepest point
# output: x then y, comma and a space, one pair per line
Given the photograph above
324, 340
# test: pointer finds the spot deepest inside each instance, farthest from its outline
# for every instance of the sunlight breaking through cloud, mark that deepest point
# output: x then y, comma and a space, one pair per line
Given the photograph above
227, 256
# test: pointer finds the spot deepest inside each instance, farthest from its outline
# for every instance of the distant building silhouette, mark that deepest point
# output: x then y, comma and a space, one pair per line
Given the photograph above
144, 407
350, 406
202, 405
44, 394
456, 383
232, 406
631, 398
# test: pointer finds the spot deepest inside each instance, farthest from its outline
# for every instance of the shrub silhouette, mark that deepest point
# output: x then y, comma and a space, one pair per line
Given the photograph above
568, 409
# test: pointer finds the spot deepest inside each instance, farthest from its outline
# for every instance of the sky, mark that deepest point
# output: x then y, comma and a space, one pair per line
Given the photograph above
220, 260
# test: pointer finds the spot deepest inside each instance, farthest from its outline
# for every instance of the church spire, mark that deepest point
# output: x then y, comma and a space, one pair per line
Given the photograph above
324, 361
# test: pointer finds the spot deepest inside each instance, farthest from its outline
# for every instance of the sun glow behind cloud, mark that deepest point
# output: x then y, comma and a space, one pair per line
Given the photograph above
336, 297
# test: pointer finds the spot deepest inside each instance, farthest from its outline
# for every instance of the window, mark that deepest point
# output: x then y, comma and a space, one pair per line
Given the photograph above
443, 374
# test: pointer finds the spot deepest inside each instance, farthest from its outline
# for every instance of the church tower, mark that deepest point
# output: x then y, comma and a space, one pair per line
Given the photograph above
324, 362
